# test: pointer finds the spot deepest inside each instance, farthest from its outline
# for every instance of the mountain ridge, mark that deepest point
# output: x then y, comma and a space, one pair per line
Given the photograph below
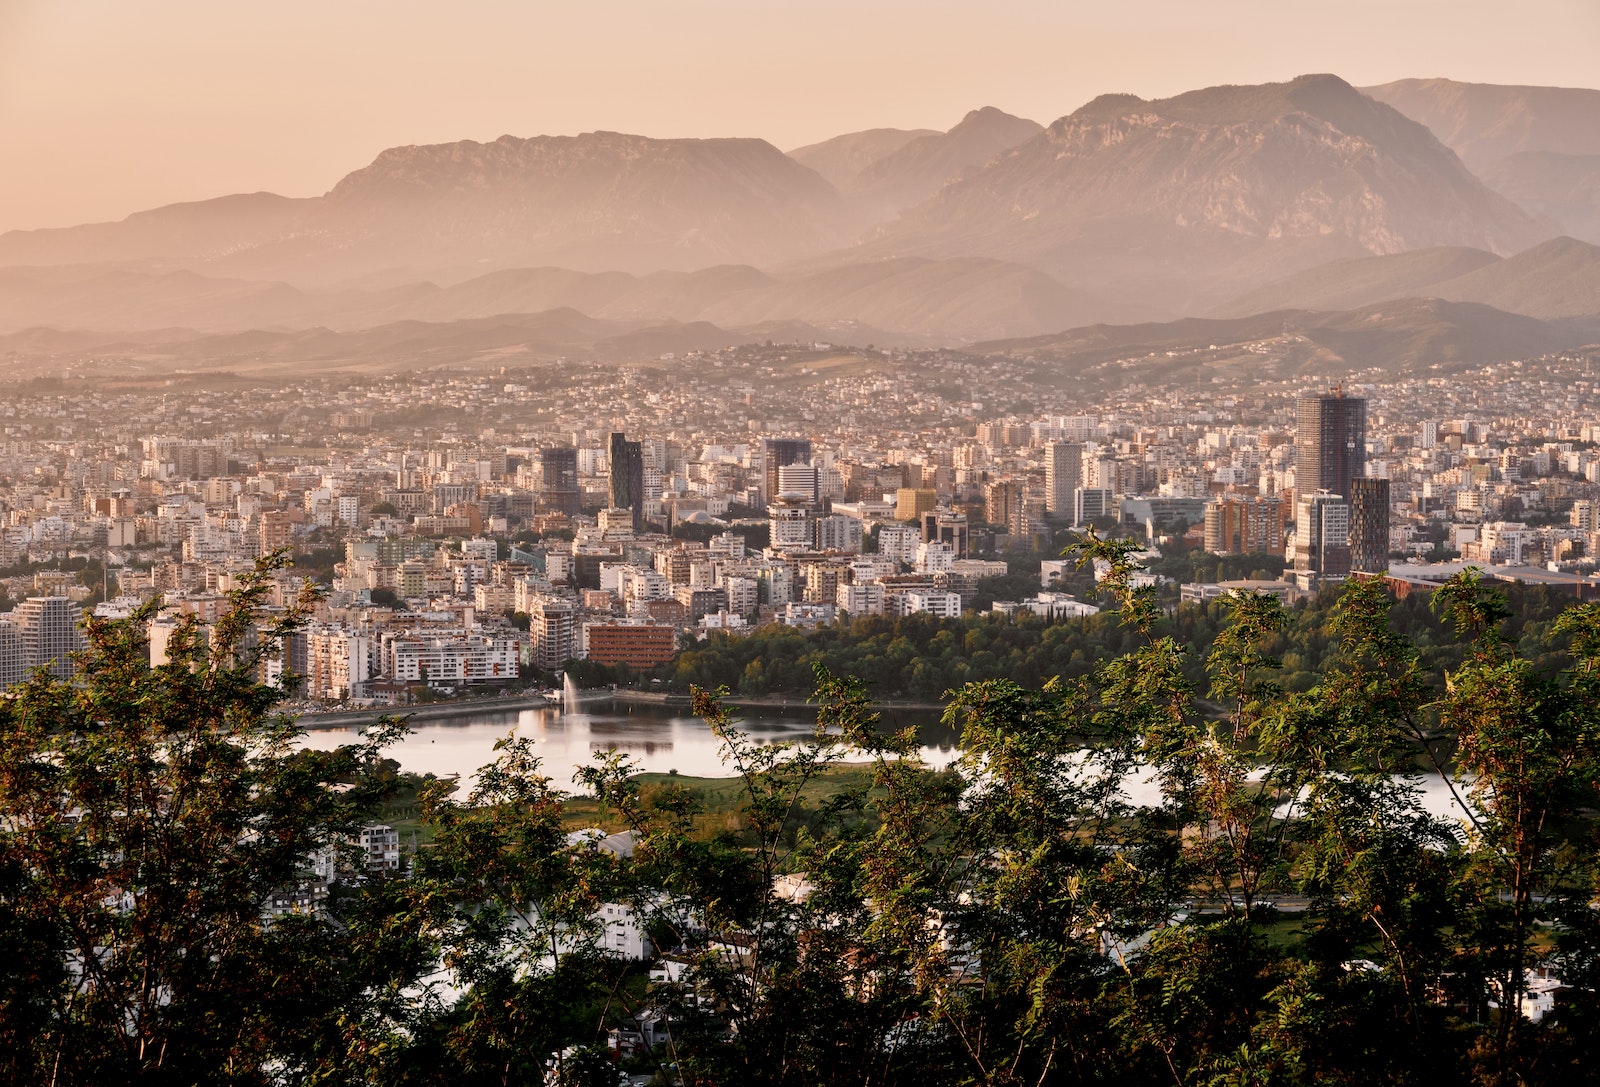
1155, 198
1555, 279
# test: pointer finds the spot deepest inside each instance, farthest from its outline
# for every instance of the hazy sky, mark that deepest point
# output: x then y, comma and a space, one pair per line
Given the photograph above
109, 106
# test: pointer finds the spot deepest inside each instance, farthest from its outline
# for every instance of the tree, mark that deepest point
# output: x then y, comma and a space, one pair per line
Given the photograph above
149, 815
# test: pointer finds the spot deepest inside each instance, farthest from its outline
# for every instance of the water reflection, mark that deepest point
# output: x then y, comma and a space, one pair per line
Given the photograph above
661, 740
657, 738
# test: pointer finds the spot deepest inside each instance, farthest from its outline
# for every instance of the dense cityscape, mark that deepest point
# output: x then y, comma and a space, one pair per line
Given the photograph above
473, 527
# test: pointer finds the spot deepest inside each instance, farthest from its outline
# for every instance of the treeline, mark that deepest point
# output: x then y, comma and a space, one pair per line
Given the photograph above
921, 658
1283, 904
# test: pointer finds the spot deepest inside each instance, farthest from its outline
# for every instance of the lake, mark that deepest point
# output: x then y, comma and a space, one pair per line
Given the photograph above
661, 739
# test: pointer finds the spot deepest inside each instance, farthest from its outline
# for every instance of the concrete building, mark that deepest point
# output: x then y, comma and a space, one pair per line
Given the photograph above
1089, 504
837, 532
898, 542
627, 477
554, 627
450, 658
1242, 524
1321, 538
1001, 498
777, 453
942, 605
1063, 474
48, 627
790, 521
800, 480
912, 502
860, 598
947, 527
13, 655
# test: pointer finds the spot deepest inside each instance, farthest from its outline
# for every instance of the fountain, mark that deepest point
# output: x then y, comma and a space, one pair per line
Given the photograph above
569, 694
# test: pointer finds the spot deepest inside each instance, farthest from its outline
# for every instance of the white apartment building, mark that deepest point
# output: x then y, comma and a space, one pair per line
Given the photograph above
459, 656
862, 598
899, 542
943, 605
935, 558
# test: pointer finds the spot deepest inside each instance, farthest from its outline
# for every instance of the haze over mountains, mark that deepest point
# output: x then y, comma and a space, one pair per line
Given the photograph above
1539, 146
1308, 196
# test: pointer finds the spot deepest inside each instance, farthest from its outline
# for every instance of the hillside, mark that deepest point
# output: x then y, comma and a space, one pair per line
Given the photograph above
842, 158
928, 301
1557, 278
1539, 146
947, 301
501, 340
1486, 122
1387, 339
923, 166
1184, 202
601, 201
1360, 281
1560, 187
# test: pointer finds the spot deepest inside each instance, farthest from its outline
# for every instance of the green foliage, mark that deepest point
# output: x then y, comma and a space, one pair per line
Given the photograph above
1171, 863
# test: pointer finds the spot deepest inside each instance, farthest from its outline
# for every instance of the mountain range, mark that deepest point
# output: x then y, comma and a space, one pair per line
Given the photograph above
1305, 196
1539, 146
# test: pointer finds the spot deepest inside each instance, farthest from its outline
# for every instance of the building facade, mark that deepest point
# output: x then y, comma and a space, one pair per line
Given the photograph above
1369, 525
1330, 443
560, 492
1063, 475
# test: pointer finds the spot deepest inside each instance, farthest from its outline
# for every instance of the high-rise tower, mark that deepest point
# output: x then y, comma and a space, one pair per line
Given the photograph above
1063, 474
560, 493
1330, 443
627, 477
1369, 526
778, 453
49, 629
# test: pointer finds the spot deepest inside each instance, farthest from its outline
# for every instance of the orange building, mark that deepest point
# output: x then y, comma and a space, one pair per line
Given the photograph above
638, 645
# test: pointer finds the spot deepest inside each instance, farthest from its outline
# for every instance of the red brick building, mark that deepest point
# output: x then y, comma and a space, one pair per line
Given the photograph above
638, 645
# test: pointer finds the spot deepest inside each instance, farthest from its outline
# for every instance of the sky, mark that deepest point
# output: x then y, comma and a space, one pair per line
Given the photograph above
111, 106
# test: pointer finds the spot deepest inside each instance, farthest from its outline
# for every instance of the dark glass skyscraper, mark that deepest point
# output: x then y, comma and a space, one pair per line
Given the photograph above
1369, 526
627, 477
1330, 443
560, 493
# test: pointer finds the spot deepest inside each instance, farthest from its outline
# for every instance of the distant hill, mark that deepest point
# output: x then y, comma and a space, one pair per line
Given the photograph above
1485, 122
1391, 337
1563, 188
1540, 146
941, 301
1302, 195
1360, 281
1388, 339
506, 339
920, 168
1560, 278
842, 158
1557, 278
596, 202
929, 301
1183, 202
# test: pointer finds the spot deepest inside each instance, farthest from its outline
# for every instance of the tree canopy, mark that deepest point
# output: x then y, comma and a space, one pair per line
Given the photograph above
1170, 866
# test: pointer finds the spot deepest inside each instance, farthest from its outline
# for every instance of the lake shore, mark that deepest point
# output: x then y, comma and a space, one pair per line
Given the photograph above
462, 707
